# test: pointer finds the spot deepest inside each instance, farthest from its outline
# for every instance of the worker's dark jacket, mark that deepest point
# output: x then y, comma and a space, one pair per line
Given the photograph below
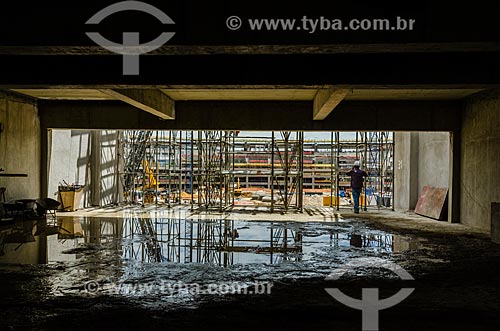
357, 178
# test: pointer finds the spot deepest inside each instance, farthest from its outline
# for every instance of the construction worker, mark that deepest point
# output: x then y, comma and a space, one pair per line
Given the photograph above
357, 176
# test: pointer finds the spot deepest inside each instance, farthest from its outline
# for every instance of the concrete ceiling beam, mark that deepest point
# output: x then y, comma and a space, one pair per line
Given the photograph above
325, 101
152, 101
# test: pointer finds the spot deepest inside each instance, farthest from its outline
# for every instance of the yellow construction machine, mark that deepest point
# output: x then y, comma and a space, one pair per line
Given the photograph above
237, 190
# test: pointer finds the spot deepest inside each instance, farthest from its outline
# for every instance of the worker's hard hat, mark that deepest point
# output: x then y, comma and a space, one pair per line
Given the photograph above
356, 163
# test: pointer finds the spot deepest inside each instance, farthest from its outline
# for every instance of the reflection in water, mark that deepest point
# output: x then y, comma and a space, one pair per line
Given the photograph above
23, 242
120, 254
69, 228
206, 239
214, 241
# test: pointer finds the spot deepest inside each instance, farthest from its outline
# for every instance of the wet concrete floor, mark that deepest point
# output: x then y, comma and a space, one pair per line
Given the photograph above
183, 270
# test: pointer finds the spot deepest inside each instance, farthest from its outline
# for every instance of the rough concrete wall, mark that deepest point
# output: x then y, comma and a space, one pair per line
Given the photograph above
480, 171
433, 159
20, 147
87, 158
421, 158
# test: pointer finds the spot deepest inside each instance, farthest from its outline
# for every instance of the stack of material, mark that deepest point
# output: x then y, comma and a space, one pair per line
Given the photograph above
70, 196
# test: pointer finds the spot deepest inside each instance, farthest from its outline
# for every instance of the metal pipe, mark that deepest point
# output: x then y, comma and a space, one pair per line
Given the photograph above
272, 172
337, 200
391, 161
191, 175
331, 169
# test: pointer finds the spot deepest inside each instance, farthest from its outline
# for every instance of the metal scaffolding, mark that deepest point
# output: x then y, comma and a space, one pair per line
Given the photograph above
378, 160
287, 170
134, 145
214, 172
204, 168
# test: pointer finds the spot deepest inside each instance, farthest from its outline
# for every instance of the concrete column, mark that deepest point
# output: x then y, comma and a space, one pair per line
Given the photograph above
406, 170
95, 168
454, 178
45, 152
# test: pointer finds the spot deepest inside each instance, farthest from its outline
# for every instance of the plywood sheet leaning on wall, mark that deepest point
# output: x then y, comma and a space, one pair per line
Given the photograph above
432, 202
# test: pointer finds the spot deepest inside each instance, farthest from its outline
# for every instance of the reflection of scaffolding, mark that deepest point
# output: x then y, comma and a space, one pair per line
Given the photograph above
150, 250
380, 242
214, 241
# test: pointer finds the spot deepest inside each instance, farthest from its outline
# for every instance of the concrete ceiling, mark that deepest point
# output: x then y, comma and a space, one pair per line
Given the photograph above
161, 102
65, 94
241, 94
260, 94
410, 94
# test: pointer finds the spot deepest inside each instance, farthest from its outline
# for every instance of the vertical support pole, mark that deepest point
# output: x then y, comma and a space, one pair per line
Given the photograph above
454, 178
337, 177
199, 169
143, 158
132, 192
118, 154
272, 172
301, 171
180, 167
286, 135
157, 174
331, 169
220, 174
367, 164
169, 171
391, 162
232, 160
380, 169
186, 154
191, 169
357, 145
207, 167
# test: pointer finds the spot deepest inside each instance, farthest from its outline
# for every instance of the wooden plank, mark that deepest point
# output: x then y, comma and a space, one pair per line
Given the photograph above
152, 101
431, 202
325, 101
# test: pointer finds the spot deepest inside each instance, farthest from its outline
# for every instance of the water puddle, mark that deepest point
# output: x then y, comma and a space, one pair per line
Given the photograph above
174, 261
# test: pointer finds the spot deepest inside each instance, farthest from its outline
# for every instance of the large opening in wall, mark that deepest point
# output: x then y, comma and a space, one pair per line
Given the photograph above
251, 171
